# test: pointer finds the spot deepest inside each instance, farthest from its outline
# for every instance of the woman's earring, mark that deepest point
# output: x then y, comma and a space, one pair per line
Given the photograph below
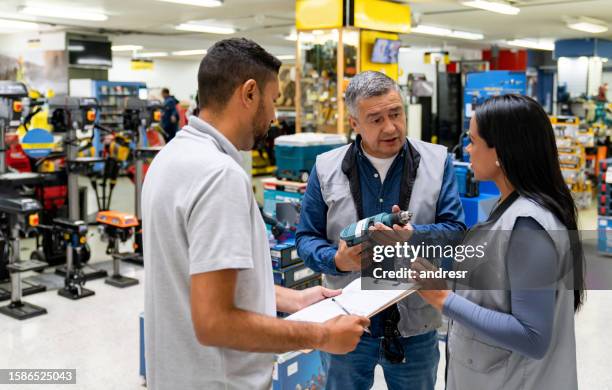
497, 163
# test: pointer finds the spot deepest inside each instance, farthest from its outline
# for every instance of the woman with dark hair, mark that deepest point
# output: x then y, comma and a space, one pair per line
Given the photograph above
512, 320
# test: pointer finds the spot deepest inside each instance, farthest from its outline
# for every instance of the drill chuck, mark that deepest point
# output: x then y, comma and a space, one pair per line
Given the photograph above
402, 218
358, 232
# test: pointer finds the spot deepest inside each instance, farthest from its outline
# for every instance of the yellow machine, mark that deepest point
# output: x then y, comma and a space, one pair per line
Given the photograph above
262, 164
119, 148
39, 117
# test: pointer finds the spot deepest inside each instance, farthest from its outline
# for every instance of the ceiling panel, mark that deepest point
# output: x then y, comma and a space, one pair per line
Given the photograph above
151, 23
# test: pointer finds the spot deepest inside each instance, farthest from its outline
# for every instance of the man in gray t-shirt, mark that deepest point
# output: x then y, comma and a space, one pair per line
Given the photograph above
210, 299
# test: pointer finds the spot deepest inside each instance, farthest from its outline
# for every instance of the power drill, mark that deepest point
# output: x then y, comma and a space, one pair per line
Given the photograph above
357, 232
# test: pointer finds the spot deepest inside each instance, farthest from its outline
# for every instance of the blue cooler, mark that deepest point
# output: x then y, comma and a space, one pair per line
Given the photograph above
296, 154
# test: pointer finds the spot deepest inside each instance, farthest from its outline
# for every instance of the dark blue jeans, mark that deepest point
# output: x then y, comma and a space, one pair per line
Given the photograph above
355, 370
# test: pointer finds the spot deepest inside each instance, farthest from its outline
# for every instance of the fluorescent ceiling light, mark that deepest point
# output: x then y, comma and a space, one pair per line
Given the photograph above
466, 35
431, 30
94, 61
549, 46
197, 3
63, 13
446, 32
204, 28
493, 6
16, 25
126, 47
286, 57
589, 25
17, 16
195, 52
151, 54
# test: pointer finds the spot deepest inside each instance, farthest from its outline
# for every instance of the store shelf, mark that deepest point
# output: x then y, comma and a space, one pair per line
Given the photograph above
111, 95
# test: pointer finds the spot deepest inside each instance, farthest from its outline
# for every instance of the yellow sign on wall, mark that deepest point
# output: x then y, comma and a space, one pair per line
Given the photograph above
141, 65
382, 15
436, 57
366, 45
317, 14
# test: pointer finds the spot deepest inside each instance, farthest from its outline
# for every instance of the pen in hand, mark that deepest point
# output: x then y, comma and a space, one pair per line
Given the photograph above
347, 313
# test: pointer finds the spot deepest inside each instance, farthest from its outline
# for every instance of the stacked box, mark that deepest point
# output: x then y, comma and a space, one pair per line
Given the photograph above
604, 202
298, 370
316, 281
313, 282
294, 275
571, 141
604, 235
284, 255
282, 200
604, 188
565, 126
290, 271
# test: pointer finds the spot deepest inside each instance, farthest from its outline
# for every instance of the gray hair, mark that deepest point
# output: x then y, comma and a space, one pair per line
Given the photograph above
366, 85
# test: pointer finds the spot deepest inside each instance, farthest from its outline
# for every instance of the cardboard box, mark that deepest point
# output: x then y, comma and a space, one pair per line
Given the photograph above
316, 281
298, 370
293, 275
284, 255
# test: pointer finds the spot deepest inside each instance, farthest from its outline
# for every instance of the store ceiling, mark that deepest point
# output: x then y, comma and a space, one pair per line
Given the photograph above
150, 23
543, 19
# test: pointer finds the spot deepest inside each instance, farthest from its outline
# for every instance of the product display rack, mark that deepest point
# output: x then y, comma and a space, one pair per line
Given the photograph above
110, 95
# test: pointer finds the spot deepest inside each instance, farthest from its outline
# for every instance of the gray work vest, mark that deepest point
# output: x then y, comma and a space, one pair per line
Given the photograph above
475, 363
416, 316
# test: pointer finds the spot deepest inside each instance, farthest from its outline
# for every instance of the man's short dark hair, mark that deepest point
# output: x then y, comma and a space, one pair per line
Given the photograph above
229, 63
165, 91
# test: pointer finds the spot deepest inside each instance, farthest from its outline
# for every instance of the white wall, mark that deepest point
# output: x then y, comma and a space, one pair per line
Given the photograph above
607, 78
595, 76
180, 76
36, 58
412, 60
32, 41
573, 73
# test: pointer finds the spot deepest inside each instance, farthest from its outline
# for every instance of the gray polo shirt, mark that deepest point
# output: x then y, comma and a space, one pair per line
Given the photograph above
200, 215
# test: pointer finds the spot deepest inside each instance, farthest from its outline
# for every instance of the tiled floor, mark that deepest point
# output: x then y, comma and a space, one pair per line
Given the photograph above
99, 335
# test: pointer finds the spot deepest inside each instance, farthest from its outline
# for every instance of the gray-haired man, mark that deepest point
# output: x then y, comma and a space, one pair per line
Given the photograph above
382, 171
